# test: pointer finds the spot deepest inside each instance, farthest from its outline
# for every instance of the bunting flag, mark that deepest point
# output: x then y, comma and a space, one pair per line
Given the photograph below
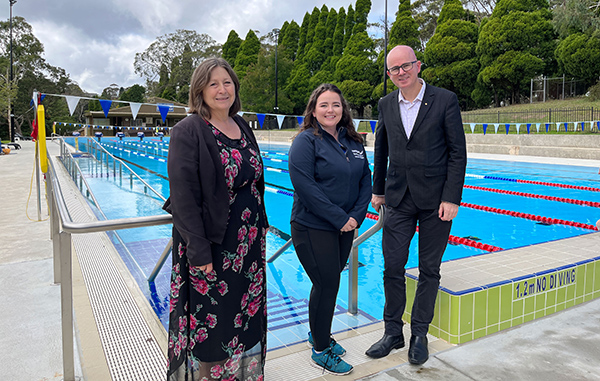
496, 125
507, 125
135, 107
529, 127
187, 111
280, 119
598, 125
164, 110
537, 127
582, 126
373, 124
105, 103
300, 119
261, 119
72, 103
484, 128
518, 127
472, 127
356, 123
547, 126
566, 129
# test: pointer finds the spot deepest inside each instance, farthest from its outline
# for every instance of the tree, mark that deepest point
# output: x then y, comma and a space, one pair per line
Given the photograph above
317, 53
349, 25
288, 40
361, 12
405, 30
247, 54
575, 16
522, 27
338, 35
149, 63
426, 13
257, 90
450, 54
357, 93
231, 47
135, 93
302, 36
578, 56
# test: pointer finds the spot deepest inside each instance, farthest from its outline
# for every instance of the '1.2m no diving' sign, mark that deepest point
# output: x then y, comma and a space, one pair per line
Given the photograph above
547, 282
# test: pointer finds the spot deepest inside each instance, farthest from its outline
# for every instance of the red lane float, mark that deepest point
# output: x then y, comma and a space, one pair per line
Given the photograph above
546, 220
541, 196
559, 185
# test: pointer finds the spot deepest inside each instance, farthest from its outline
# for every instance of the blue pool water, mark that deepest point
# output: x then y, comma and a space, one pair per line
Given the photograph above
288, 285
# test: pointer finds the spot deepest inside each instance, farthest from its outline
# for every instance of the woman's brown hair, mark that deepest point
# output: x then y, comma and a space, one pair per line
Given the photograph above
200, 80
311, 122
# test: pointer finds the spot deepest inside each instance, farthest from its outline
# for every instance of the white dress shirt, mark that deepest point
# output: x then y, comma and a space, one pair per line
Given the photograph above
410, 110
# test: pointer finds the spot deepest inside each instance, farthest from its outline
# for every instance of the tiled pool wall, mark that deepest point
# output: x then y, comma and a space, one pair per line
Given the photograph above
468, 315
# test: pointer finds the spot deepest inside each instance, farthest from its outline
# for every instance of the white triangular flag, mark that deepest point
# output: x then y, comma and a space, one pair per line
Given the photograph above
135, 107
72, 102
472, 127
280, 120
496, 127
518, 125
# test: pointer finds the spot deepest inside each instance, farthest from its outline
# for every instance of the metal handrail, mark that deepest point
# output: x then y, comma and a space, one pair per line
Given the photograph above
121, 162
62, 226
357, 241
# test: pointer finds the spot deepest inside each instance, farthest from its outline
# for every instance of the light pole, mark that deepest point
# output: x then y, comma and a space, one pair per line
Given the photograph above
385, 51
276, 32
11, 118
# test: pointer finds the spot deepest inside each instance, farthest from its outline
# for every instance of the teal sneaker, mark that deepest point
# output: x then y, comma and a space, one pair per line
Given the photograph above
335, 347
330, 362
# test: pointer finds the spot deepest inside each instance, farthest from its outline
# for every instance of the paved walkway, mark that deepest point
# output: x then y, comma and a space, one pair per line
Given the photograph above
562, 346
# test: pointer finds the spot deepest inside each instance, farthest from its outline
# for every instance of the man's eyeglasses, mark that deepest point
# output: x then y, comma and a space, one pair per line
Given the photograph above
406, 67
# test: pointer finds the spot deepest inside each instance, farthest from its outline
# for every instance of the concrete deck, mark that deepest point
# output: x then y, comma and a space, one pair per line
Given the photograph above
564, 345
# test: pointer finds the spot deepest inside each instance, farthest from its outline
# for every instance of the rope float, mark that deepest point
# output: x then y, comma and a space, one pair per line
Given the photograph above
532, 195
558, 185
545, 220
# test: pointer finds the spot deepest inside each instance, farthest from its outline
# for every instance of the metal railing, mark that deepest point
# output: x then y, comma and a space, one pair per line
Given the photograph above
62, 226
352, 261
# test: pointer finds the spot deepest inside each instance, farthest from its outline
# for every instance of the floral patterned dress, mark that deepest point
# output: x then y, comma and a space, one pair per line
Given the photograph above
218, 323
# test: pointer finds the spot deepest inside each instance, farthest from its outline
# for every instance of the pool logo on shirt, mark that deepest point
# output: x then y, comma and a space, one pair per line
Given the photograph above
358, 154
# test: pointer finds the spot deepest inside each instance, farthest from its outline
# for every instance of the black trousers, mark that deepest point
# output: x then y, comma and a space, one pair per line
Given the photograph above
323, 254
398, 229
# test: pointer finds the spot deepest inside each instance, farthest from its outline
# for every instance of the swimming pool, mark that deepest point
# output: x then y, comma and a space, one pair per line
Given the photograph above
502, 210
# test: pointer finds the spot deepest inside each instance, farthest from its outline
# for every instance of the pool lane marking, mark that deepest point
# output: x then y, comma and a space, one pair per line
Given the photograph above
533, 195
545, 220
452, 239
549, 184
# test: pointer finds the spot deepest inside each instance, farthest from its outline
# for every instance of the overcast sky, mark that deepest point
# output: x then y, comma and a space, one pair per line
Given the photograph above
96, 41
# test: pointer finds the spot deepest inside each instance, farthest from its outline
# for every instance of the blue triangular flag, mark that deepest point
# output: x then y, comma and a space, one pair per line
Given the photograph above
547, 126
42, 97
528, 127
484, 128
105, 103
300, 119
582, 126
507, 127
566, 127
261, 119
373, 124
164, 110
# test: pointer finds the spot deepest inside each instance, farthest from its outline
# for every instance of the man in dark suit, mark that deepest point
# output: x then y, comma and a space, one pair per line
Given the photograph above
420, 132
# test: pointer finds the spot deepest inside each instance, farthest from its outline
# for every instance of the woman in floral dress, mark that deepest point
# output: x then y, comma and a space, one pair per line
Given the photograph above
217, 323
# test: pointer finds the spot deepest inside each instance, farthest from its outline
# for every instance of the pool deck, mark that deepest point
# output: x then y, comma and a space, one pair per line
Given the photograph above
563, 345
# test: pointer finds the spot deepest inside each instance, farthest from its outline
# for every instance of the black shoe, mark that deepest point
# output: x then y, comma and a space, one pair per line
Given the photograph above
418, 352
385, 345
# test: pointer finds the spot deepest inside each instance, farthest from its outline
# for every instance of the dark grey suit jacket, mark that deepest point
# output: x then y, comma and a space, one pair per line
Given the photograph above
432, 162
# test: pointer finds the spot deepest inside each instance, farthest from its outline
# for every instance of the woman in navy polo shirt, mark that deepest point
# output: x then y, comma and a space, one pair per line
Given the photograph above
332, 182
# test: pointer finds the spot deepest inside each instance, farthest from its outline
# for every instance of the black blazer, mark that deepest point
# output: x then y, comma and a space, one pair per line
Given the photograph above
432, 162
199, 201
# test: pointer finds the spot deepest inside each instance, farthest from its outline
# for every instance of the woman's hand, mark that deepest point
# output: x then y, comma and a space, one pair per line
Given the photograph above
350, 225
206, 269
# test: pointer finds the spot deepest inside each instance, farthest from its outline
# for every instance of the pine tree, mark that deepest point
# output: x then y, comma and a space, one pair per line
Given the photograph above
302, 36
450, 53
247, 54
231, 47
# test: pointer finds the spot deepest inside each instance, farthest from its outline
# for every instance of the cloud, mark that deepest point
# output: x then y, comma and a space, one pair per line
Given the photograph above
91, 62
96, 41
